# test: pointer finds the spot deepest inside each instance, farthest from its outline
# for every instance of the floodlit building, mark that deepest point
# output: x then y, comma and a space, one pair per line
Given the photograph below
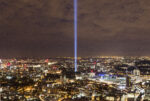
136, 72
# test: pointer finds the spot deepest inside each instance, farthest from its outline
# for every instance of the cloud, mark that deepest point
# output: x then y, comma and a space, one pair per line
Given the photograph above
105, 27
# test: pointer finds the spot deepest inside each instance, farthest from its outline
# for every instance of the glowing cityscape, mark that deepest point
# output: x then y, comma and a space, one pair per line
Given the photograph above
74, 50
104, 78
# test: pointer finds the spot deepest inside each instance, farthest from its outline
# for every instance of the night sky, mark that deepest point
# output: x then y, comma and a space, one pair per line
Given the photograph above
45, 27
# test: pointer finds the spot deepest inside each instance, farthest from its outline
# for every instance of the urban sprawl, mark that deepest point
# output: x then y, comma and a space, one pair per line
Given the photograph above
103, 78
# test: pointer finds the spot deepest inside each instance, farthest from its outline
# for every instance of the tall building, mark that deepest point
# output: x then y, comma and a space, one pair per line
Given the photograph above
136, 72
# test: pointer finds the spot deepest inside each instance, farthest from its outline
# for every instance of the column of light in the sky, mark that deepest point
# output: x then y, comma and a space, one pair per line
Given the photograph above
75, 34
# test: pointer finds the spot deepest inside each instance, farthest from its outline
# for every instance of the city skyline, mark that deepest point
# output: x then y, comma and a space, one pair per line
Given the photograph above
37, 28
74, 50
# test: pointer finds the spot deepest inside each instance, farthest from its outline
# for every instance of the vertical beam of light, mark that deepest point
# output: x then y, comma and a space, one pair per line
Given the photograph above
75, 34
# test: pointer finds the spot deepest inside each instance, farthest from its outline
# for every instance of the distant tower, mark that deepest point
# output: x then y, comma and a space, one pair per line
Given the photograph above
136, 72
75, 34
